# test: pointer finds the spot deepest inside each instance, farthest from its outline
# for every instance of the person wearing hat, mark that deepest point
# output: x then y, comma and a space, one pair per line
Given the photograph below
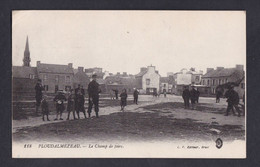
232, 100
71, 104
80, 100
59, 100
38, 96
123, 96
186, 96
93, 93
45, 108
193, 96
136, 93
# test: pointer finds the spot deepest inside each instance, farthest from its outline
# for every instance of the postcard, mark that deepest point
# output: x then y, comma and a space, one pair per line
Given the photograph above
128, 84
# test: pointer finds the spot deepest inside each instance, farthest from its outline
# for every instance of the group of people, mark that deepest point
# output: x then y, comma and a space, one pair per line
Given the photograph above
76, 101
123, 97
190, 96
231, 95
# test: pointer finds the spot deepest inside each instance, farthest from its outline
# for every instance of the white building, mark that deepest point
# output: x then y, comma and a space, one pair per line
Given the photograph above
148, 80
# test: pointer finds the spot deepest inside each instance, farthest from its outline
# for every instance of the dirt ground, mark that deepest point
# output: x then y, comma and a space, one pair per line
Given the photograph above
153, 119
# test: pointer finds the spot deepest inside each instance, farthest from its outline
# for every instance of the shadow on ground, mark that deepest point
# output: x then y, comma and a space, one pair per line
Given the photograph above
128, 126
205, 107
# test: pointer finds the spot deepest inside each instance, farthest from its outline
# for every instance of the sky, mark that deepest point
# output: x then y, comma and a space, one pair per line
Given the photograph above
124, 41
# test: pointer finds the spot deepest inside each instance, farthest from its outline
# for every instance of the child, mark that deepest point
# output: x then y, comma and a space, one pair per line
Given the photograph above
45, 108
59, 99
71, 104
123, 96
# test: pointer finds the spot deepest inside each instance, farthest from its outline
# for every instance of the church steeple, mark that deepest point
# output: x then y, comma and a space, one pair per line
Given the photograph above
26, 59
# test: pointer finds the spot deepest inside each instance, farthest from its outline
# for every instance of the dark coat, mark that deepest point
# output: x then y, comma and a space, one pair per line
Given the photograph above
123, 98
197, 94
232, 97
38, 90
136, 93
193, 94
45, 107
82, 91
93, 89
59, 99
186, 94
71, 102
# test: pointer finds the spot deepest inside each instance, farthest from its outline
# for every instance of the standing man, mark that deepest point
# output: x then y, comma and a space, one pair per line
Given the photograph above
116, 93
186, 96
218, 95
193, 97
38, 96
136, 93
197, 95
80, 100
59, 99
164, 92
93, 93
233, 100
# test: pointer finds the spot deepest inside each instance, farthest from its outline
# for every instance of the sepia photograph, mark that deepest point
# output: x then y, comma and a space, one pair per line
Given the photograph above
128, 84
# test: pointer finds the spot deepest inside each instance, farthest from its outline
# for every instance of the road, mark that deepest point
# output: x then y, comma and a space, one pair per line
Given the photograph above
152, 119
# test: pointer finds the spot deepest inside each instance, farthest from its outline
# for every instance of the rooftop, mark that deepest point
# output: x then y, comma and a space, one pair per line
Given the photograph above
54, 68
224, 73
23, 71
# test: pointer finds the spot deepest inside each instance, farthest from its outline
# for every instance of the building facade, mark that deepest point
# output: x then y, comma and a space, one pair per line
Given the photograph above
95, 70
148, 80
55, 77
80, 78
185, 78
221, 75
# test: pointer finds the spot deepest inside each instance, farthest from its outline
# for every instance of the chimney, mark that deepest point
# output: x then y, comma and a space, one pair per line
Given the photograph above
151, 68
118, 73
209, 69
80, 69
124, 73
220, 68
38, 63
239, 67
143, 69
70, 65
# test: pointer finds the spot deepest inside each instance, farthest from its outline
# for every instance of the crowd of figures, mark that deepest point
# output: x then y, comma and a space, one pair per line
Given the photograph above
76, 100
190, 95
231, 95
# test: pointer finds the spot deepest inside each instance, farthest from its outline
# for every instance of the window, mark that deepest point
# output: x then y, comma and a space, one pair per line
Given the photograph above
67, 79
31, 76
45, 77
164, 85
56, 78
46, 88
147, 81
226, 80
197, 78
213, 82
56, 88
208, 82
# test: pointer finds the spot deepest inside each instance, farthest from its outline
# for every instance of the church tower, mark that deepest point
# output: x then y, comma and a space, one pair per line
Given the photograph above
26, 59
